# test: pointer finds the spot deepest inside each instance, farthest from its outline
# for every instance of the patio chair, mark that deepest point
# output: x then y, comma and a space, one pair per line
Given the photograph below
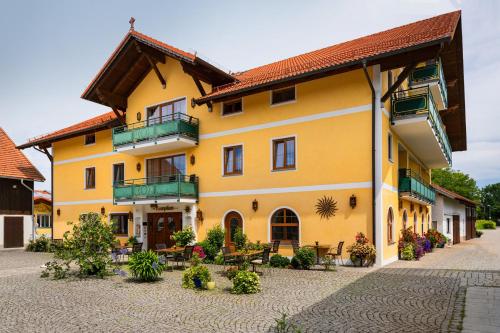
184, 256
338, 252
264, 260
137, 247
295, 246
228, 259
276, 246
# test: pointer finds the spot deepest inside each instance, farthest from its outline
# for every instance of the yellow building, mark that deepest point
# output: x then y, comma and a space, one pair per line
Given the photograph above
358, 124
43, 213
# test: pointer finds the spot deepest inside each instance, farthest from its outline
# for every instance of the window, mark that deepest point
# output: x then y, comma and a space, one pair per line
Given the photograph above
405, 220
90, 139
415, 221
233, 160
389, 147
232, 107
120, 223
284, 154
118, 173
43, 221
283, 95
423, 224
166, 112
90, 178
448, 225
390, 227
165, 169
284, 225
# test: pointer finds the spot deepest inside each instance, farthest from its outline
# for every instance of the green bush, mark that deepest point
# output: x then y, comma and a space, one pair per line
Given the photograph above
485, 224
407, 253
88, 246
41, 244
240, 239
145, 266
304, 258
245, 282
219, 259
132, 240
196, 272
184, 237
213, 243
479, 233
279, 261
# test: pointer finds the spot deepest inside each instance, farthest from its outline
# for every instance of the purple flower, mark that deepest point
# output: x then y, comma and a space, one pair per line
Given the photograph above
162, 260
123, 251
119, 272
114, 256
155, 266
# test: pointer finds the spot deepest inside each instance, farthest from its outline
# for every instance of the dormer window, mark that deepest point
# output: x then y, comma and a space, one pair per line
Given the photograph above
232, 107
285, 95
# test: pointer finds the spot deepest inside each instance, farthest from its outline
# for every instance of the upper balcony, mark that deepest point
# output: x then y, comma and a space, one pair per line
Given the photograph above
412, 187
154, 190
431, 75
170, 132
416, 120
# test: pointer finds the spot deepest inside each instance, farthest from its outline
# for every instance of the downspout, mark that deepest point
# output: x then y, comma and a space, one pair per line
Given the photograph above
32, 207
374, 201
52, 198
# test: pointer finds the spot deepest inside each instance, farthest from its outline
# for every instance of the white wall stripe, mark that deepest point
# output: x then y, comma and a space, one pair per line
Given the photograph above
83, 202
318, 116
85, 158
292, 189
388, 187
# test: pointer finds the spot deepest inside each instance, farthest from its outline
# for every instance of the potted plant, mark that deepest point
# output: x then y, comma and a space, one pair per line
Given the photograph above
361, 252
197, 276
183, 237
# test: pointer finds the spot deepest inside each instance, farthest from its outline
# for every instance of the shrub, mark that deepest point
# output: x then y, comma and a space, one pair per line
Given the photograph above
88, 246
219, 259
283, 326
132, 240
199, 251
361, 251
479, 233
145, 266
279, 261
41, 244
245, 282
197, 276
59, 271
255, 246
213, 243
240, 239
407, 253
485, 224
184, 237
304, 258
435, 237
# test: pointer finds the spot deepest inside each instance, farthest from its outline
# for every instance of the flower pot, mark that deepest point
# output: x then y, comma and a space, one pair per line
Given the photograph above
211, 285
197, 283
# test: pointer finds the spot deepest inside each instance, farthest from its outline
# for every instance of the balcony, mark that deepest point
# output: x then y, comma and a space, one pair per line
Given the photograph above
431, 75
417, 122
153, 190
413, 188
170, 132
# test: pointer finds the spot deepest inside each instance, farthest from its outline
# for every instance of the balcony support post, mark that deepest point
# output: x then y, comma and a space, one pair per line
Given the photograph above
401, 77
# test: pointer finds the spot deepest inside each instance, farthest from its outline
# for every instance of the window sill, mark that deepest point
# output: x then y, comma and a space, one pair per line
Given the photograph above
284, 103
285, 169
232, 174
391, 243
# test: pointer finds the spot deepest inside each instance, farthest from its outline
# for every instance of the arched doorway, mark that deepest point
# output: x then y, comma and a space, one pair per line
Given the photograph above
390, 227
232, 222
423, 218
415, 222
405, 220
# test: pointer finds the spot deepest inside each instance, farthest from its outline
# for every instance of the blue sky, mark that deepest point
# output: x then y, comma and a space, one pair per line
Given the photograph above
52, 49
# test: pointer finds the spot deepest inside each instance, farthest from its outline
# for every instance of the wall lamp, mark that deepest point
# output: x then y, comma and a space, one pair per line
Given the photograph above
352, 201
255, 205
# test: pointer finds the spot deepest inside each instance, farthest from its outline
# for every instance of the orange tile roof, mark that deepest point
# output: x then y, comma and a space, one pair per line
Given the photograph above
403, 37
13, 163
452, 195
42, 195
95, 123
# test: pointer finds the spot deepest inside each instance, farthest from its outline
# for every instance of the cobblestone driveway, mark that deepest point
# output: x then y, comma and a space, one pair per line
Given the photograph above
404, 297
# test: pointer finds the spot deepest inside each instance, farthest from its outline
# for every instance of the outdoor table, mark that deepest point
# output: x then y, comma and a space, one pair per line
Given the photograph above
171, 250
318, 247
242, 255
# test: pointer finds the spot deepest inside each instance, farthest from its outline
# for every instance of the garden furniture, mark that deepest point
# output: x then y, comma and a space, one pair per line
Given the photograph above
137, 247
318, 247
228, 258
264, 260
184, 256
275, 246
338, 252
295, 246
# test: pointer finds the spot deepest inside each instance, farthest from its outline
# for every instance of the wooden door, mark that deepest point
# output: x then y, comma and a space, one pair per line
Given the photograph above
456, 229
13, 231
232, 222
161, 226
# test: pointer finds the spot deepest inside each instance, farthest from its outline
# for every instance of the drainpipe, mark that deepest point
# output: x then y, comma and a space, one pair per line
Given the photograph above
32, 207
374, 201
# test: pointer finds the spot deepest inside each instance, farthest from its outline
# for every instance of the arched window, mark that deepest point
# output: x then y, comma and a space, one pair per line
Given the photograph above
390, 226
405, 220
423, 218
284, 225
415, 222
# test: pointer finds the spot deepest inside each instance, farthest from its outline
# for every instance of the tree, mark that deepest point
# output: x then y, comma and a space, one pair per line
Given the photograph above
490, 200
456, 181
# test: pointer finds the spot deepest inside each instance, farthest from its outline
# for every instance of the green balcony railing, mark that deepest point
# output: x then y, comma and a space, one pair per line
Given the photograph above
417, 102
155, 188
430, 73
413, 185
177, 124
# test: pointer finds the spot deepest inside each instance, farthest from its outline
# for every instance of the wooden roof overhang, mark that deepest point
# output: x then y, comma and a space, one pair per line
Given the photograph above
448, 48
133, 59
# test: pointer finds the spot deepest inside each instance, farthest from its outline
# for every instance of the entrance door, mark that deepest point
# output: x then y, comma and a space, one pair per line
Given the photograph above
161, 226
13, 231
232, 222
456, 229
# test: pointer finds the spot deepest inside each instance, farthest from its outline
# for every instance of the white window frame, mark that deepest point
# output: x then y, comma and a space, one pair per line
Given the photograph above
85, 178
271, 150
242, 160
113, 171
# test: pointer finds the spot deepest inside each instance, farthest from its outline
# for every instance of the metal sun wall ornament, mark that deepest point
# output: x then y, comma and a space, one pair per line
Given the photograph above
326, 207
